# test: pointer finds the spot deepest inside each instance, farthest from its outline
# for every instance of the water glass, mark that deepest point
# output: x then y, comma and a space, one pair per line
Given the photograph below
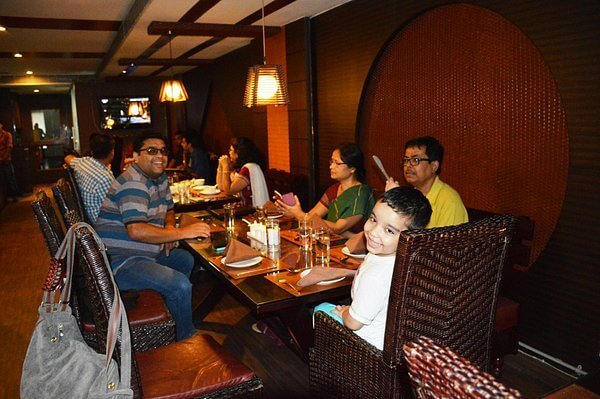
273, 235
305, 234
321, 247
229, 217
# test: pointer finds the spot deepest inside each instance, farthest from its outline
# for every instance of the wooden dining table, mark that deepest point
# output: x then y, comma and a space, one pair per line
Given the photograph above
261, 290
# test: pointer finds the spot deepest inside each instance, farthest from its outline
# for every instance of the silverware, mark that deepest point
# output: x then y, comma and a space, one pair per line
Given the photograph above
254, 271
284, 281
380, 165
296, 271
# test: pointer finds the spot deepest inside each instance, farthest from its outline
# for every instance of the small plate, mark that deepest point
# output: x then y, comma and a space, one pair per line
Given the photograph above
326, 282
200, 188
274, 215
210, 191
243, 263
346, 251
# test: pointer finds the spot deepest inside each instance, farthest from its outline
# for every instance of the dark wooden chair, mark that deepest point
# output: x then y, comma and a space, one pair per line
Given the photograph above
505, 339
445, 285
286, 182
151, 322
437, 372
193, 368
76, 192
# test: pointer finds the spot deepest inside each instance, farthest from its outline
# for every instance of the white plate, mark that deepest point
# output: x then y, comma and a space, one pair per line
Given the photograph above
200, 188
243, 263
274, 215
210, 191
326, 282
346, 251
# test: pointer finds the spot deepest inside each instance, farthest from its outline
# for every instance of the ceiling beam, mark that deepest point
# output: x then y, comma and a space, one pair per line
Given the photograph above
59, 23
163, 61
48, 54
211, 30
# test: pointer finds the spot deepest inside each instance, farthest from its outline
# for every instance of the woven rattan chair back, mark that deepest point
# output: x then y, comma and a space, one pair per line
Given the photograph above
437, 372
48, 221
66, 201
70, 177
445, 285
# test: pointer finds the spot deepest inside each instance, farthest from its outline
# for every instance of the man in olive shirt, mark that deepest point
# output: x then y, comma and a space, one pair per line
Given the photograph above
422, 165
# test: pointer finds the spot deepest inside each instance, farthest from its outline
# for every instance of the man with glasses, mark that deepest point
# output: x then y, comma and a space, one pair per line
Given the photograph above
422, 165
137, 224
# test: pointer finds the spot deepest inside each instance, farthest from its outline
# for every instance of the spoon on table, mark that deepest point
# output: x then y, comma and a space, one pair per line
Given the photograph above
284, 281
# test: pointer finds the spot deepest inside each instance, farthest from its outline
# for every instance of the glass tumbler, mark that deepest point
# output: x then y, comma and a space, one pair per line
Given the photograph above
321, 247
273, 235
229, 217
305, 234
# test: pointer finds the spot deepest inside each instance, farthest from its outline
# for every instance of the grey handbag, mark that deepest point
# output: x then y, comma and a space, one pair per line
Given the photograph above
59, 364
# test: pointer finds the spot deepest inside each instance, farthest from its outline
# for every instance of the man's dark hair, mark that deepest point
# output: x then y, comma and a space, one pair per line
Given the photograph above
409, 202
247, 152
192, 139
353, 157
138, 143
101, 145
433, 149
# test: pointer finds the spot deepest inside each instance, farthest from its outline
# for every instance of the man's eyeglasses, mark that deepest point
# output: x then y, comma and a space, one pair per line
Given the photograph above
415, 161
154, 150
336, 163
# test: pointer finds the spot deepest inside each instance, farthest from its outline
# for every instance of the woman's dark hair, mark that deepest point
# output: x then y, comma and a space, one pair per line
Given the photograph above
247, 152
353, 157
138, 143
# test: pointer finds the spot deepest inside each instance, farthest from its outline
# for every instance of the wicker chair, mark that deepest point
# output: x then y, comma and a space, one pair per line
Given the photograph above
192, 368
437, 372
66, 200
445, 285
151, 322
70, 174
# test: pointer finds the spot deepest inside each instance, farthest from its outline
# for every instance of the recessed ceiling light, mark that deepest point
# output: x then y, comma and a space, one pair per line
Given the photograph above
124, 71
36, 90
29, 72
18, 55
2, 28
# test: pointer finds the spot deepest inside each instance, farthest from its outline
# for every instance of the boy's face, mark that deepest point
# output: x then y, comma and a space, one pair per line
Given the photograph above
383, 228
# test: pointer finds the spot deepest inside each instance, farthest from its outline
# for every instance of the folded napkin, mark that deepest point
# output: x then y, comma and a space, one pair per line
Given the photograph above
318, 274
318, 223
237, 251
357, 244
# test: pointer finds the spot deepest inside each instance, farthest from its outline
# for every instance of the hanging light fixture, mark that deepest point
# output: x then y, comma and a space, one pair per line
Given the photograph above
173, 89
265, 84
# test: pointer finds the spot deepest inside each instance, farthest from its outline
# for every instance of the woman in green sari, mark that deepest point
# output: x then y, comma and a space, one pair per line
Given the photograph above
347, 204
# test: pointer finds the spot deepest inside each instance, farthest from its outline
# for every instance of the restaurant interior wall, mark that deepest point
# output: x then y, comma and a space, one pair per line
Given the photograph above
560, 302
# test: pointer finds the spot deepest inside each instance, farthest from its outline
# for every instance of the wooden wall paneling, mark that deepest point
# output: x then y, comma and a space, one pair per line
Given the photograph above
567, 35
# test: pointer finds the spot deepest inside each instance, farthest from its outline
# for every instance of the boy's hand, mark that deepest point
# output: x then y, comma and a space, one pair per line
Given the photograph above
391, 183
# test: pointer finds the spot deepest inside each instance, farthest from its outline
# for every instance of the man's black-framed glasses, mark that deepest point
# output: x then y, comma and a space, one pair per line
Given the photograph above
415, 161
154, 150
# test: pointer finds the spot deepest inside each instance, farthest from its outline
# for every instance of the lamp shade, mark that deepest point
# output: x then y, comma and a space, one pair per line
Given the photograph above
266, 86
173, 90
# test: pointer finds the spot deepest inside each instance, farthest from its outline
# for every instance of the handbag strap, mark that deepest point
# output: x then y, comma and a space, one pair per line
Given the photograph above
118, 317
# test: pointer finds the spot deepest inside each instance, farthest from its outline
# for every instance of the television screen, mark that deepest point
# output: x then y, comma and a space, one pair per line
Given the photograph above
125, 112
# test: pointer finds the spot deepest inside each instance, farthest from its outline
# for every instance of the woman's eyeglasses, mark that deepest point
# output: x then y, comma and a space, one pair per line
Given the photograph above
336, 163
415, 161
154, 150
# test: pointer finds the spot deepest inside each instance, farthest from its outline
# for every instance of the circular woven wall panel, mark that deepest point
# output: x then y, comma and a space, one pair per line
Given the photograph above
473, 80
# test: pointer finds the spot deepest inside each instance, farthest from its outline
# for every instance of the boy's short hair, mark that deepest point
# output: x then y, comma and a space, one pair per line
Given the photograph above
101, 145
138, 143
411, 203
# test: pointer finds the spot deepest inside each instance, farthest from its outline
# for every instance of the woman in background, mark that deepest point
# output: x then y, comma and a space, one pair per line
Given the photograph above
240, 173
347, 204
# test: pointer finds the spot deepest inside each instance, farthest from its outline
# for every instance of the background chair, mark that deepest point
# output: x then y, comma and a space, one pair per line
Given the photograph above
78, 201
286, 182
437, 372
194, 367
151, 322
445, 285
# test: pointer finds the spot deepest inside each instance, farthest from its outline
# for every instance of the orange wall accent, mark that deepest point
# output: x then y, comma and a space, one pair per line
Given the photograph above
277, 117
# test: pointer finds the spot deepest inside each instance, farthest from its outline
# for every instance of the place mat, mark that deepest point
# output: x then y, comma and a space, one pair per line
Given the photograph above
337, 256
292, 236
265, 266
293, 278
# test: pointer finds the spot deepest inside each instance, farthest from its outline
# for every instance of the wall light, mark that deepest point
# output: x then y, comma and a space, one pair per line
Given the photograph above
265, 84
18, 55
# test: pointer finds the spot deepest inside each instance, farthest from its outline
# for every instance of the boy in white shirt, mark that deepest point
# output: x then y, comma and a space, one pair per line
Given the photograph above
397, 210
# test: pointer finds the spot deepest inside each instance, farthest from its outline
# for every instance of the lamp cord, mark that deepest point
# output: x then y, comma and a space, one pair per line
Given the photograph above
263, 34
171, 56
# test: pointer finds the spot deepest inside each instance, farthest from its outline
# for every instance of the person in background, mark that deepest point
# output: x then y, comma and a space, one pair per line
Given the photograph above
398, 209
240, 172
38, 133
177, 161
422, 166
7, 171
137, 224
93, 174
198, 165
345, 205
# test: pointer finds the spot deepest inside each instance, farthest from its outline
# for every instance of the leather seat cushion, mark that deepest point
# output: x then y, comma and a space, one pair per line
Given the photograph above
507, 314
190, 368
149, 308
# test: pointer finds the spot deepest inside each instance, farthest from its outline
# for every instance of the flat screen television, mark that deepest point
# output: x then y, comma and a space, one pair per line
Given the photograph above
125, 113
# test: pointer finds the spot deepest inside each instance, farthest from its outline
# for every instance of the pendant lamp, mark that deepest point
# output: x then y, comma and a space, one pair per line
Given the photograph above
265, 84
173, 89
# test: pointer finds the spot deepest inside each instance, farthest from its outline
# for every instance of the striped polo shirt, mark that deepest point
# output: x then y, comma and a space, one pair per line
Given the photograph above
132, 198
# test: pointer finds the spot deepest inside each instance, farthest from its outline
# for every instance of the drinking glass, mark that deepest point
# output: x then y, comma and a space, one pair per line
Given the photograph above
305, 234
321, 247
229, 217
